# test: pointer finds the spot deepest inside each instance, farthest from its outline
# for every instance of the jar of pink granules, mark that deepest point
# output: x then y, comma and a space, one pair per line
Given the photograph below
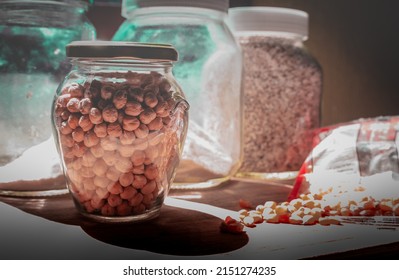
281, 90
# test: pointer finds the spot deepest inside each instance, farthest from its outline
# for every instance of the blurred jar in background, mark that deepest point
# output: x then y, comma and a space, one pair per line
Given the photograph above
209, 71
33, 35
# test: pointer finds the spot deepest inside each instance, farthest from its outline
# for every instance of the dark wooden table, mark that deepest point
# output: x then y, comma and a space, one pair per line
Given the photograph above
188, 227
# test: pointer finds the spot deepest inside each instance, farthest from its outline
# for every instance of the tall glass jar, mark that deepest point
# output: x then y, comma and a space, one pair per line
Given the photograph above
121, 120
33, 35
282, 90
209, 71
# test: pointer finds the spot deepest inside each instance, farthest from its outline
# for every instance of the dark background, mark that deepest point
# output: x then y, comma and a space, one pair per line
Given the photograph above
356, 43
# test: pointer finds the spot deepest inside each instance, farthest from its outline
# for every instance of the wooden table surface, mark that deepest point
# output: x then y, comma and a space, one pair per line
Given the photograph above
188, 227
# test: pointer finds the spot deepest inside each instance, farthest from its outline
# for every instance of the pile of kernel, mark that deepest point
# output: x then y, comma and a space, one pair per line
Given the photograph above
310, 209
116, 142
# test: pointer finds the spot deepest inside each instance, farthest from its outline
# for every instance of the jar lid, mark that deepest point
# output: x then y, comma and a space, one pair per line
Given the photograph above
121, 50
219, 5
269, 19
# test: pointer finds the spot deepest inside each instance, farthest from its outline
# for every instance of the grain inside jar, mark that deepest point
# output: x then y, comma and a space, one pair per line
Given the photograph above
281, 93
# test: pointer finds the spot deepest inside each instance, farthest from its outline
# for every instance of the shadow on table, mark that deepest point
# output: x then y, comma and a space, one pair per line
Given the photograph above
175, 232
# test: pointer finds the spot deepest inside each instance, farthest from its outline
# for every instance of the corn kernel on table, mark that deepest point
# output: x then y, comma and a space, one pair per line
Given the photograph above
188, 228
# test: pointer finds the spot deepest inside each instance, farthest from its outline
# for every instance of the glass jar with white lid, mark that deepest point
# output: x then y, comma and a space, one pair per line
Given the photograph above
282, 90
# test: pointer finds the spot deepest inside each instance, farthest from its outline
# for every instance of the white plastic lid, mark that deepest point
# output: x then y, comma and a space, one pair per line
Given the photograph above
219, 5
269, 19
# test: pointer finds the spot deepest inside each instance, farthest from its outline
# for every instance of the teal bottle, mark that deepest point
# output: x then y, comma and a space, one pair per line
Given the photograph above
33, 35
209, 72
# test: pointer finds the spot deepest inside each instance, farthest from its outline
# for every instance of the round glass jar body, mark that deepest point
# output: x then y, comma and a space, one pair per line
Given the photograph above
33, 35
209, 71
281, 92
120, 126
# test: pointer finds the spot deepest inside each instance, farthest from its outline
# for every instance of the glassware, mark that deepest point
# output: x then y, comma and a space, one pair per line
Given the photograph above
209, 71
282, 91
120, 121
33, 35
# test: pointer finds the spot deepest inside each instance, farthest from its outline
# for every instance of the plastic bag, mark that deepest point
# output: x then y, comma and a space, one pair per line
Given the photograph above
353, 161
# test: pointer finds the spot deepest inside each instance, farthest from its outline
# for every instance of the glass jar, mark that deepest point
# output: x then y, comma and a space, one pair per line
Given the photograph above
282, 90
120, 120
33, 35
209, 71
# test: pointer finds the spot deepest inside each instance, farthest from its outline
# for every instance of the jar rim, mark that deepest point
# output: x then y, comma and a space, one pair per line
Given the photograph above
121, 50
76, 3
130, 5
